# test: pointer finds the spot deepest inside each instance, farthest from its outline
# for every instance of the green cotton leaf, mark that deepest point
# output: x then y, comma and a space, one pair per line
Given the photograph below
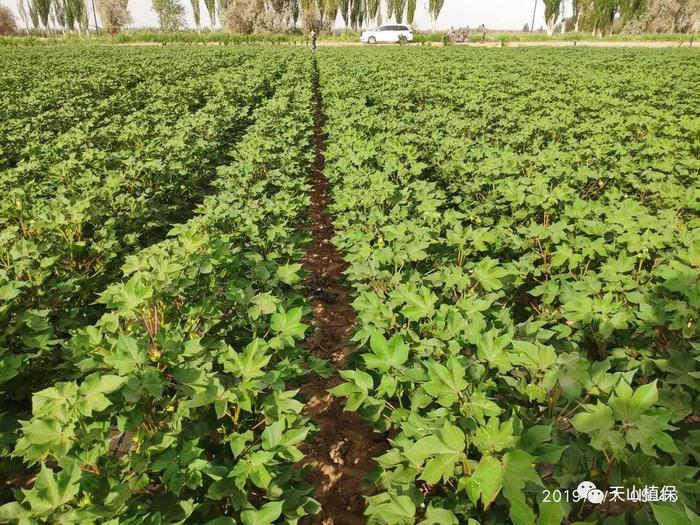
387, 386
645, 396
263, 304
452, 437
220, 407
579, 309
34, 328
265, 515
126, 297
260, 476
221, 520
93, 390
127, 355
151, 381
535, 436
51, 491
565, 254
42, 437
294, 436
534, 357
320, 366
446, 383
489, 274
249, 364
272, 435
677, 277
481, 237
39, 339
552, 513
647, 432
418, 305
42, 432
437, 516
486, 481
628, 405
445, 450
216, 472
479, 406
670, 515
356, 389
208, 394
55, 402
11, 290
422, 449
600, 380
238, 442
289, 323
598, 423
385, 354
677, 400
439, 467
495, 436
13, 512
289, 273
362, 379
548, 290
390, 509
509, 475
9, 366
518, 470
492, 350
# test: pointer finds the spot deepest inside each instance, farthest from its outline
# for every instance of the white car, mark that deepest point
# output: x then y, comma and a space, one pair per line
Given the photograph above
387, 33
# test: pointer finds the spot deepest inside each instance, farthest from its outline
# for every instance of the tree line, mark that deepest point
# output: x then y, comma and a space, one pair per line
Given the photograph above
244, 15
603, 17
247, 16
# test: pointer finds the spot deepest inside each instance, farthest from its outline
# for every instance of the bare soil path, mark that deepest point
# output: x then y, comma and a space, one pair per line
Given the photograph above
340, 454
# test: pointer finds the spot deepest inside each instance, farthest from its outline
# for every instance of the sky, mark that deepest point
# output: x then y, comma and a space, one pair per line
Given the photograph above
494, 14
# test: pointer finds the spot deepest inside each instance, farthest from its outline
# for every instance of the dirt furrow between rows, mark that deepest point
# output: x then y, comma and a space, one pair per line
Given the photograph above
340, 454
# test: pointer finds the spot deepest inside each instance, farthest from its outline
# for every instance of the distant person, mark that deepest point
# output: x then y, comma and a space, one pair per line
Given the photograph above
482, 28
312, 40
